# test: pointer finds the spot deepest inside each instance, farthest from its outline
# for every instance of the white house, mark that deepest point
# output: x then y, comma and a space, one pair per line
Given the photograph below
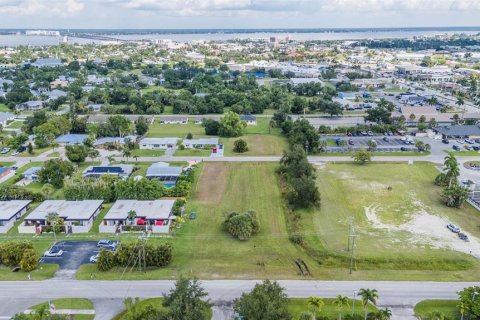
32, 173
10, 212
158, 143
174, 120
200, 143
150, 215
78, 216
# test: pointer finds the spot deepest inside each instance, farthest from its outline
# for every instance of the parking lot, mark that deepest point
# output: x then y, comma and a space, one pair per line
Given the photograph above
75, 253
384, 144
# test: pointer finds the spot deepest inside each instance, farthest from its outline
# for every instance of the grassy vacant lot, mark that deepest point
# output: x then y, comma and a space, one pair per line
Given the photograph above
329, 309
424, 309
158, 130
70, 303
261, 140
394, 227
193, 153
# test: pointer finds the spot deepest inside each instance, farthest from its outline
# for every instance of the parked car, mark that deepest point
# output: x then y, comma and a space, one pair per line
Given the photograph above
453, 228
107, 244
364, 133
5, 150
476, 148
53, 252
385, 139
469, 148
461, 141
469, 141
445, 141
463, 236
403, 149
21, 148
94, 258
15, 153
350, 142
370, 133
455, 147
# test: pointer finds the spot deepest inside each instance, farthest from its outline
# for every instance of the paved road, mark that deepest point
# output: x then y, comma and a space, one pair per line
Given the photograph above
16, 296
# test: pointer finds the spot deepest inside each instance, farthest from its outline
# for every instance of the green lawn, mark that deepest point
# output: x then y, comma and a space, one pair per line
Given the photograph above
36, 152
193, 153
146, 153
388, 224
329, 309
15, 124
45, 271
70, 303
54, 155
261, 140
157, 130
4, 108
465, 153
424, 309
376, 154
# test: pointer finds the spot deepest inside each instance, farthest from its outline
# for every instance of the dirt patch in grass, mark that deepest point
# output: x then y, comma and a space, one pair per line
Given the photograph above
212, 183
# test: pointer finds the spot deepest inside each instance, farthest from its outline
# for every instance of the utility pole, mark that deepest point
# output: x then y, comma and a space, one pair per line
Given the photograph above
350, 226
352, 236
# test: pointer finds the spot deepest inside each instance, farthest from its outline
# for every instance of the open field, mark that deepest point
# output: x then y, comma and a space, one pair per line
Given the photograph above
261, 140
398, 229
157, 130
423, 309
329, 309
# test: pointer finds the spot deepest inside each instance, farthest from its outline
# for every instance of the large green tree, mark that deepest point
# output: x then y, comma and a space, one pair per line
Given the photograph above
470, 298
76, 153
187, 301
267, 301
231, 125
54, 172
368, 296
304, 134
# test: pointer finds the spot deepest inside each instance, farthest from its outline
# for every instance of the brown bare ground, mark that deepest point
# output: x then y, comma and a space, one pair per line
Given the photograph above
212, 182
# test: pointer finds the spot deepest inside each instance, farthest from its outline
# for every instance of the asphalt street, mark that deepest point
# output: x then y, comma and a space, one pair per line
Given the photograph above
16, 296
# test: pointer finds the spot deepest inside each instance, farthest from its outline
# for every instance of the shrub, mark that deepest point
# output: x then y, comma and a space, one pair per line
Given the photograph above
29, 260
241, 225
11, 252
240, 146
106, 260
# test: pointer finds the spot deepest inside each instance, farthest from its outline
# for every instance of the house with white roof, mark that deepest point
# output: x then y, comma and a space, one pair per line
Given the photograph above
200, 143
153, 215
30, 106
77, 216
10, 212
158, 143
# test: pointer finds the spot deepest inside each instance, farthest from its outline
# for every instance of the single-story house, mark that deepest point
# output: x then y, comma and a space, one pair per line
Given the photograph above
96, 107
5, 171
11, 211
55, 94
121, 170
117, 141
32, 173
5, 117
78, 216
58, 84
32, 105
88, 88
198, 120
155, 215
174, 120
249, 119
71, 138
47, 62
347, 95
200, 143
158, 143
299, 81
166, 175
459, 131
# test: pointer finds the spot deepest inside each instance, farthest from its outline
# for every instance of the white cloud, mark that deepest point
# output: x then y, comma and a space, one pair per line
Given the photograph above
43, 7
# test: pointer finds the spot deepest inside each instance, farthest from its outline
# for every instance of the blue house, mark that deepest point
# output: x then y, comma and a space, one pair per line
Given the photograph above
71, 138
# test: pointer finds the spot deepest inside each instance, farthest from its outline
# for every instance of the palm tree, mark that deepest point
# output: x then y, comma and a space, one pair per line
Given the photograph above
110, 159
54, 145
437, 315
127, 153
368, 296
317, 305
322, 145
131, 215
461, 307
432, 101
372, 145
93, 154
451, 166
384, 314
341, 302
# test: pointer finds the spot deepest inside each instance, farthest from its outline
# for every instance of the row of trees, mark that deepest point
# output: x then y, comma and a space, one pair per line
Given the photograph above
454, 195
139, 254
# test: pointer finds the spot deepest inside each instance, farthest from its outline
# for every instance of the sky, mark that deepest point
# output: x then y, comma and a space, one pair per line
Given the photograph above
192, 14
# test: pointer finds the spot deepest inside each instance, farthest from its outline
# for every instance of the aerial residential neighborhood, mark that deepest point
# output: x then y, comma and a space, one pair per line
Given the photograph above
153, 168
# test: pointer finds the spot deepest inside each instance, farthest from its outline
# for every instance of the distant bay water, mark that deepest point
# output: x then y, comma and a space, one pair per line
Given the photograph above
13, 38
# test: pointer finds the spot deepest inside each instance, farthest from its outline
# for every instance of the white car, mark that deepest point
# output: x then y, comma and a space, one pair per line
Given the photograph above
469, 141
15, 153
461, 141
94, 258
53, 252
